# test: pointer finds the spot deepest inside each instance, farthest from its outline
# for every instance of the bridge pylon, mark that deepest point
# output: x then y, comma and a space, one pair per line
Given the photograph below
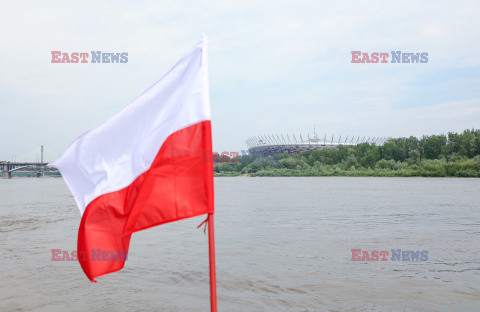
6, 174
40, 171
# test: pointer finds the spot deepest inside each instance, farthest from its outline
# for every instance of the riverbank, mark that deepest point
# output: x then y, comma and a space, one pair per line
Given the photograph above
301, 168
452, 155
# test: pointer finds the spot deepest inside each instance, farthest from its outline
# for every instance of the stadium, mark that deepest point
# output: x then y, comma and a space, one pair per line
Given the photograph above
279, 144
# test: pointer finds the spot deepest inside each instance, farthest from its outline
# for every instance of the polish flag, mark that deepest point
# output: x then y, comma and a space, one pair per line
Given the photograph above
147, 165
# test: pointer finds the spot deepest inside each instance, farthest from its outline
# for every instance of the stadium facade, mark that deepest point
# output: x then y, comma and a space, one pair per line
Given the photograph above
279, 144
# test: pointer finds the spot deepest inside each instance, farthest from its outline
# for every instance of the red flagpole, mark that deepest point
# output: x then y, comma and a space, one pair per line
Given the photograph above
211, 253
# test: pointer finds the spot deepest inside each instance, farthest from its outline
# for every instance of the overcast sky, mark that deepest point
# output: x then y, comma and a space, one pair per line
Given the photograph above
276, 66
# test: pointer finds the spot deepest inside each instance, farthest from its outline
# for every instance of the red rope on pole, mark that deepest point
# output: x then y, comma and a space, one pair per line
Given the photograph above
211, 253
205, 227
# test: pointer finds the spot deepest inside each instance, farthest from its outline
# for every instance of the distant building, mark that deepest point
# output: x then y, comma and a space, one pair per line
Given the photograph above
279, 144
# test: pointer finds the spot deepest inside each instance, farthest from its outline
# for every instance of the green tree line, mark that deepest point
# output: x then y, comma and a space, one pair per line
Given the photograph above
451, 155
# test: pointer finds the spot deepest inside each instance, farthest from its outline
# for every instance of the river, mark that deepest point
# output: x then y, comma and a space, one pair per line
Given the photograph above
283, 244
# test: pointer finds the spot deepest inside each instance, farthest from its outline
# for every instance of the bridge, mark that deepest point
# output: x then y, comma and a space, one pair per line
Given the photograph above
39, 168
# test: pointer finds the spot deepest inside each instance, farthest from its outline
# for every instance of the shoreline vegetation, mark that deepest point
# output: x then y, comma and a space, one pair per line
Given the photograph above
451, 155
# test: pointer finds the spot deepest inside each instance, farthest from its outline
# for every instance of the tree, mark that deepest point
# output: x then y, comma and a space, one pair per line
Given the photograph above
431, 146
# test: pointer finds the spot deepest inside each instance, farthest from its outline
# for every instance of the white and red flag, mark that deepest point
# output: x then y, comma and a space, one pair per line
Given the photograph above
143, 167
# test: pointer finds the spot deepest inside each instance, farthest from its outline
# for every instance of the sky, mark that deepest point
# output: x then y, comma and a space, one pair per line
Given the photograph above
275, 67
